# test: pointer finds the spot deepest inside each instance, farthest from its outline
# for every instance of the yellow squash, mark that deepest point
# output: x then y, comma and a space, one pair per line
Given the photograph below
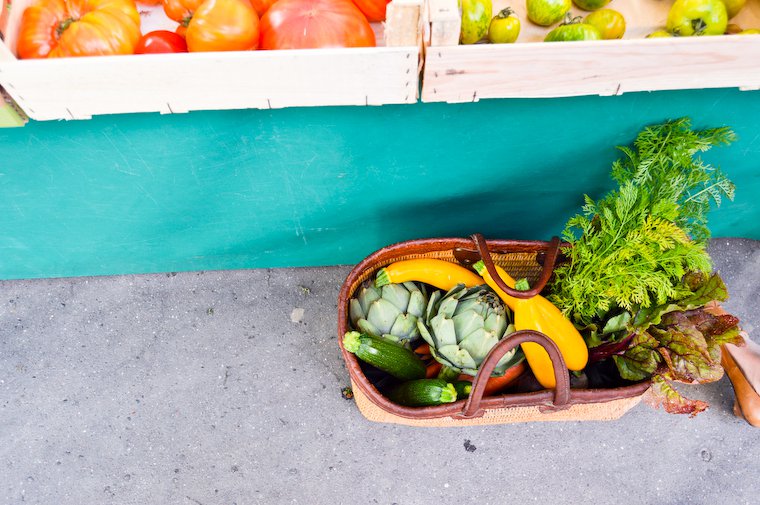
540, 314
439, 273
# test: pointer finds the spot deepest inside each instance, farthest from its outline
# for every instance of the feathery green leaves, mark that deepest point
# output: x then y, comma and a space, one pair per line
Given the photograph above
633, 247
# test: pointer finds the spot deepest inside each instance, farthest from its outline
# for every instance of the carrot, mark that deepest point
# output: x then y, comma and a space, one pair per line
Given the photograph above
423, 350
432, 370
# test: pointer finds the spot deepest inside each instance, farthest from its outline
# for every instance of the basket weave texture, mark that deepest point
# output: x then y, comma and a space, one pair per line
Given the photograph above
519, 259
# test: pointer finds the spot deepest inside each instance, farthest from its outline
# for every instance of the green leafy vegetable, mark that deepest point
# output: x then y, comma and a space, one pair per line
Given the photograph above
636, 282
640, 360
633, 247
663, 160
664, 395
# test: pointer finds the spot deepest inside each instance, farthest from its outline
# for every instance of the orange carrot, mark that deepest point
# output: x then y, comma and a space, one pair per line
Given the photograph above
423, 350
432, 370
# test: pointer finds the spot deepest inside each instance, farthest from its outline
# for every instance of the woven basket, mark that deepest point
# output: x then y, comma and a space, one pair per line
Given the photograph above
533, 260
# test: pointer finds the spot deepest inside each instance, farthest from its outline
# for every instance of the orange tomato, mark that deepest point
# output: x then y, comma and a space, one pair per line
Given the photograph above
57, 28
181, 10
223, 25
497, 384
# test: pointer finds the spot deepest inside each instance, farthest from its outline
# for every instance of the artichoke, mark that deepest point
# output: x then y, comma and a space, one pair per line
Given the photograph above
390, 312
463, 325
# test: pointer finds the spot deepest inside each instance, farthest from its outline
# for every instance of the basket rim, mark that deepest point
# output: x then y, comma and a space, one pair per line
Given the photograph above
542, 399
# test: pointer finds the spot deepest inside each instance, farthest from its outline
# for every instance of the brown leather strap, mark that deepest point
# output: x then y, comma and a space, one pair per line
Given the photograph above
546, 273
561, 393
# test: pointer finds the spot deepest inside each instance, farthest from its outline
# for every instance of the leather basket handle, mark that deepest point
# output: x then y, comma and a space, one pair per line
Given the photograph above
551, 258
561, 392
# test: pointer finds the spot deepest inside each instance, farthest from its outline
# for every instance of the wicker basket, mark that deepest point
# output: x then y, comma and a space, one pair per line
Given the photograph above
533, 260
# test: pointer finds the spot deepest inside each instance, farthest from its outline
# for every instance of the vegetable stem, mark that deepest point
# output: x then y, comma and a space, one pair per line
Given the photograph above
448, 374
351, 341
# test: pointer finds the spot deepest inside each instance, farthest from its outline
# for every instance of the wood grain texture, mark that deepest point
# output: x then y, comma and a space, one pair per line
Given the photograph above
79, 88
530, 68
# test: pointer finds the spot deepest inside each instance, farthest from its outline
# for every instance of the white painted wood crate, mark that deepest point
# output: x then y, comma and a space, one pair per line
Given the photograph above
78, 88
531, 68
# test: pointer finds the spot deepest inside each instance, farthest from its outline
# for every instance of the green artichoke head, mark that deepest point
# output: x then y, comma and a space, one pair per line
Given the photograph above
390, 312
463, 326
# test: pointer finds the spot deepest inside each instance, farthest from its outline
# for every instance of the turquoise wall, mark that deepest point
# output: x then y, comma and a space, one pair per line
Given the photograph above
325, 186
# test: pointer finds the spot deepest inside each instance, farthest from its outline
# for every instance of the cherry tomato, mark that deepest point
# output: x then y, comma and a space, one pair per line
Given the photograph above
547, 12
161, 41
590, 5
476, 16
697, 17
573, 30
610, 23
504, 27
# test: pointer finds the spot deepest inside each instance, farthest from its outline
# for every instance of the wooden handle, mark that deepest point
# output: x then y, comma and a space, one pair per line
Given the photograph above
551, 258
472, 407
742, 365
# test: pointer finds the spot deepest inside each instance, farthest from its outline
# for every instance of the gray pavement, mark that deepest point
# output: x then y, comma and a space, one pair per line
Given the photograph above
225, 388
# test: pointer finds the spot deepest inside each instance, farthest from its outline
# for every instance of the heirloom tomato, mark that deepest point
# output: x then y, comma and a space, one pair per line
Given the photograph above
547, 12
476, 17
610, 23
504, 27
573, 30
373, 9
697, 17
223, 25
311, 24
591, 5
56, 28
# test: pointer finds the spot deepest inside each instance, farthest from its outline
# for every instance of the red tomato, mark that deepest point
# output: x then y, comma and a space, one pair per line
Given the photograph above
56, 28
161, 41
223, 25
310, 24
373, 9
262, 6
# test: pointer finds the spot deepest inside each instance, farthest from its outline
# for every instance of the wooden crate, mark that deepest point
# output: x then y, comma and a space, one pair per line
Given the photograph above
78, 88
531, 68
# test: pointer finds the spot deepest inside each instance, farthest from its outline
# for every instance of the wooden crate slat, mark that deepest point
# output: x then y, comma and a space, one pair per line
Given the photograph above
534, 69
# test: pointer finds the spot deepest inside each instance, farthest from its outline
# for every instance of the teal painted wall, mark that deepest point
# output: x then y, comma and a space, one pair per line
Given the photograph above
326, 186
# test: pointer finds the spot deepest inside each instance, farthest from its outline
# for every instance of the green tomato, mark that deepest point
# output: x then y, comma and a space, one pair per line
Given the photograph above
573, 31
659, 34
504, 27
547, 12
591, 5
734, 6
476, 16
610, 23
697, 17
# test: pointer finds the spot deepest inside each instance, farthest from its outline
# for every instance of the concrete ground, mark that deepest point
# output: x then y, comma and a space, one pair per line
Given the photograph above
212, 388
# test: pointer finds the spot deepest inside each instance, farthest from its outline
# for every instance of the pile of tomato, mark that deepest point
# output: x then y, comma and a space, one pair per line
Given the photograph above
58, 28
686, 18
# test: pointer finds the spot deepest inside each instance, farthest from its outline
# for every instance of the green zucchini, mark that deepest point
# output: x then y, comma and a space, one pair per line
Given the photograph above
423, 392
464, 388
389, 357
